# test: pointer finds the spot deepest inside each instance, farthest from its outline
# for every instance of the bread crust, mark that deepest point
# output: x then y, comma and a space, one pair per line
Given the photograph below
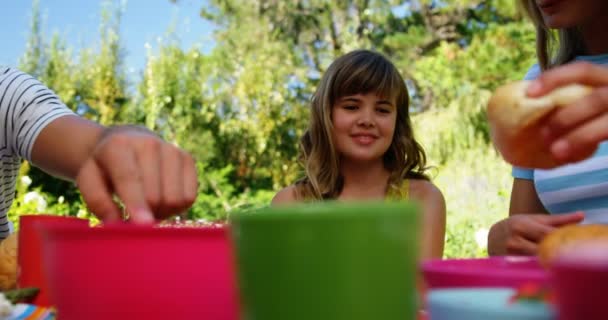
568, 237
516, 120
8, 262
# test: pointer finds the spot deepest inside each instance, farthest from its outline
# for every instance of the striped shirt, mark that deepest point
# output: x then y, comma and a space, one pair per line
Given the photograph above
579, 186
26, 107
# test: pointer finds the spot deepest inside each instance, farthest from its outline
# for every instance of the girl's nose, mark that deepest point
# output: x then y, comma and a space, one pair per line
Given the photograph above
365, 121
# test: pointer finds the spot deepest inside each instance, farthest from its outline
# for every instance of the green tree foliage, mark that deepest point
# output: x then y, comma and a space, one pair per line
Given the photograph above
92, 83
32, 58
241, 108
108, 83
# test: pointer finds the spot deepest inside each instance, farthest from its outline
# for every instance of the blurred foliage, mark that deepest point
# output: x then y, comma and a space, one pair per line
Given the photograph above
241, 108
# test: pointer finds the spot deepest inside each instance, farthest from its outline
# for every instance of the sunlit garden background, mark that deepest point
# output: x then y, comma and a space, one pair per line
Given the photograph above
241, 107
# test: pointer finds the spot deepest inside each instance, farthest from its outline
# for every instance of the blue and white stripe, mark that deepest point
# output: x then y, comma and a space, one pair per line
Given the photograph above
580, 186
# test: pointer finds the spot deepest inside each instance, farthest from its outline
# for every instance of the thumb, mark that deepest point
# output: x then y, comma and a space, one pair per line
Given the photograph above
558, 220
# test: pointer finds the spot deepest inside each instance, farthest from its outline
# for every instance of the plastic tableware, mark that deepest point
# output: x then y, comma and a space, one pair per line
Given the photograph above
31, 273
141, 272
505, 271
328, 261
580, 279
484, 303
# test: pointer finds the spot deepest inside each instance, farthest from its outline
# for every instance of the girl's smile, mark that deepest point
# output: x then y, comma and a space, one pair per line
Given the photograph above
363, 126
549, 6
364, 139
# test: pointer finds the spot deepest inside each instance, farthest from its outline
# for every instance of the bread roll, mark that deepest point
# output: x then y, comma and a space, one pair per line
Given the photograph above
568, 237
516, 120
8, 262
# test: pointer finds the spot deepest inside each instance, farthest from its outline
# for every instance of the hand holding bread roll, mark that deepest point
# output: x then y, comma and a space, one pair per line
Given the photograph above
516, 121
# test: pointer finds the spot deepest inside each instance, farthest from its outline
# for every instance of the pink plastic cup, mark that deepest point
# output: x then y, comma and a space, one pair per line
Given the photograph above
509, 271
580, 278
141, 272
30, 251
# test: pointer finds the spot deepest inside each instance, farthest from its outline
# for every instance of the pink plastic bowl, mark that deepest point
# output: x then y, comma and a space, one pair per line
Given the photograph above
487, 272
141, 272
580, 278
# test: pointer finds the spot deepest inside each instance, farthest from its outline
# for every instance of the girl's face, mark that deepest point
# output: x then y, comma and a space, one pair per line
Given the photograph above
363, 126
571, 13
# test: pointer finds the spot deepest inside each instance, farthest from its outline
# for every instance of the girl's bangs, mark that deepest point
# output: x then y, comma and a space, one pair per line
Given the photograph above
367, 74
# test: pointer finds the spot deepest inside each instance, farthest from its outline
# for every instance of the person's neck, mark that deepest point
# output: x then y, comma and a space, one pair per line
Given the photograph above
363, 180
595, 36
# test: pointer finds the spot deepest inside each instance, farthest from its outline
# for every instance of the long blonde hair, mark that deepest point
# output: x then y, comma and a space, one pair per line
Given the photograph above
357, 72
553, 48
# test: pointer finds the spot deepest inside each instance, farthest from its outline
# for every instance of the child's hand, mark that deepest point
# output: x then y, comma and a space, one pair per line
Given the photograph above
520, 234
573, 132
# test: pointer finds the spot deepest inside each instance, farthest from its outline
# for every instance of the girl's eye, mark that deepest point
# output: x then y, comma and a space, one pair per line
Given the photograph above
382, 110
349, 107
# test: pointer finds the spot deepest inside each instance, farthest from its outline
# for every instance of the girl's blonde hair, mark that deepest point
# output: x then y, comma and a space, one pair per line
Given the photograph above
553, 48
358, 72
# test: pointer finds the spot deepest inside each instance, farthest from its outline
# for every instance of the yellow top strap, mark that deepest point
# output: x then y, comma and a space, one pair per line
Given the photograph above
401, 193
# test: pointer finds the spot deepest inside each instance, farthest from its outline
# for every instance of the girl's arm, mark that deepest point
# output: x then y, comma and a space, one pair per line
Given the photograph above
524, 198
433, 218
527, 224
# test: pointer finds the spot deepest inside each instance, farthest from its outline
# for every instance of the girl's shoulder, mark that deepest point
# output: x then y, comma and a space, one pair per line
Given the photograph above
285, 195
431, 199
416, 189
424, 190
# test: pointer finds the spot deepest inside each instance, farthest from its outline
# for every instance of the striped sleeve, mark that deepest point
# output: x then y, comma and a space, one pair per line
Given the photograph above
533, 72
26, 107
522, 173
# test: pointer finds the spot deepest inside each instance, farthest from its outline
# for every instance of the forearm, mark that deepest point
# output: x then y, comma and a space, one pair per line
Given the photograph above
65, 144
496, 239
107, 131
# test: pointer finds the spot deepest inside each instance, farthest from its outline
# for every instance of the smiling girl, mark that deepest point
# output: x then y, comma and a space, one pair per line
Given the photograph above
359, 145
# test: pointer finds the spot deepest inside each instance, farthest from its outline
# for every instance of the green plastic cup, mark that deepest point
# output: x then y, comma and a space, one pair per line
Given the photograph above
328, 261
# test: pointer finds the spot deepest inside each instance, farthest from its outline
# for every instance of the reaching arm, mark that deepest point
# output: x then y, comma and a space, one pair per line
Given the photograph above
151, 177
64, 145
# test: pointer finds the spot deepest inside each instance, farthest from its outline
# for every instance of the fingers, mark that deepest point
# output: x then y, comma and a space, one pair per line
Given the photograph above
152, 178
190, 179
117, 158
527, 231
172, 180
97, 193
559, 220
147, 152
530, 228
168, 174
567, 118
521, 246
581, 143
575, 131
579, 72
